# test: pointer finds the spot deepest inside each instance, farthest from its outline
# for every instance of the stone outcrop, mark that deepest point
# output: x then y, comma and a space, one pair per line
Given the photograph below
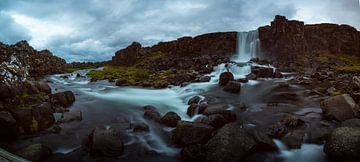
286, 40
181, 53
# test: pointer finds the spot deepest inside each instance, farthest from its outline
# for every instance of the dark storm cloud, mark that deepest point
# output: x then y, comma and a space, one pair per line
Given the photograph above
94, 29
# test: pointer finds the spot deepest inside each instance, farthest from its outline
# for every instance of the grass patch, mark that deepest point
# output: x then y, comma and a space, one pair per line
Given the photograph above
348, 68
325, 56
128, 75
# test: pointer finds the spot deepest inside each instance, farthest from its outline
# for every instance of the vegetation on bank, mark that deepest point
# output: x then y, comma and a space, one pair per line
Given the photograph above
136, 76
71, 69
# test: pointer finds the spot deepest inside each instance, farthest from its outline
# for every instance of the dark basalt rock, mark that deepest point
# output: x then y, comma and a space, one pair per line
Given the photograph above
189, 133
234, 142
194, 100
233, 87
343, 144
225, 78
8, 125
192, 109
64, 99
340, 108
105, 142
285, 41
35, 152
151, 113
195, 153
140, 127
170, 119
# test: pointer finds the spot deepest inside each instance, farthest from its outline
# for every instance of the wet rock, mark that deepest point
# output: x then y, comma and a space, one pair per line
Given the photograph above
151, 113
233, 87
194, 100
71, 116
43, 87
189, 133
54, 129
294, 139
351, 123
195, 153
43, 114
217, 120
64, 99
192, 110
204, 78
286, 124
243, 80
170, 119
225, 77
234, 142
251, 76
140, 127
340, 108
263, 72
278, 74
356, 82
35, 152
105, 142
344, 144
8, 125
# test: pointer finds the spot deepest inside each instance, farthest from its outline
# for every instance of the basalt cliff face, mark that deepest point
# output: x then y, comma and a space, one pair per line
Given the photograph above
20, 61
284, 41
26, 104
181, 53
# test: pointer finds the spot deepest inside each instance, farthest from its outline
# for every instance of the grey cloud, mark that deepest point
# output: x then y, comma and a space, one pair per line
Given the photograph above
94, 29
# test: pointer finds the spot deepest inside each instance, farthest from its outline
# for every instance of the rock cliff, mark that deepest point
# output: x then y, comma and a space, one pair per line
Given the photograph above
284, 41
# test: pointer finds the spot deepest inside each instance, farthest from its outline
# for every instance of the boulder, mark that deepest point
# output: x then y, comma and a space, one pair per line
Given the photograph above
8, 125
343, 144
151, 113
192, 110
64, 99
140, 127
194, 100
234, 142
263, 72
105, 142
225, 77
340, 108
189, 133
351, 123
43, 114
204, 78
251, 76
194, 153
278, 74
233, 87
35, 152
170, 119
43, 87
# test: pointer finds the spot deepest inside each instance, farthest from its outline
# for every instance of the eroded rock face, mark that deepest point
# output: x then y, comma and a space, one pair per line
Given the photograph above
189, 133
36, 152
340, 108
285, 40
344, 143
234, 141
105, 142
201, 48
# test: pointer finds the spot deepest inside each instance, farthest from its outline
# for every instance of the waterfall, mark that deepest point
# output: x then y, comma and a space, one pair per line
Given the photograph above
248, 46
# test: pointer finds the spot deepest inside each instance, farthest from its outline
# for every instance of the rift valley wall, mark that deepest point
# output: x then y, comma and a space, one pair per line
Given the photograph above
285, 40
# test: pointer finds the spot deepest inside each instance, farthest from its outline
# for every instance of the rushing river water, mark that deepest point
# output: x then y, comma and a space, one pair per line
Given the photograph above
101, 103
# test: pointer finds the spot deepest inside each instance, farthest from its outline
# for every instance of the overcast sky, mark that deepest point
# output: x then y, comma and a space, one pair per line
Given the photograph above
92, 30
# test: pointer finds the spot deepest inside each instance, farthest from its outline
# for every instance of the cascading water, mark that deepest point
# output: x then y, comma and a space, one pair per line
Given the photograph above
248, 46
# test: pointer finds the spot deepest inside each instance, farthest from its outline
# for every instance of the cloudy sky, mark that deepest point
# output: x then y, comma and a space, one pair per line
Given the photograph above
92, 30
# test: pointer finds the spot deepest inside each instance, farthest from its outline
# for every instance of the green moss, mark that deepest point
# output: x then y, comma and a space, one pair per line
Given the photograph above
34, 127
325, 56
128, 75
348, 68
150, 59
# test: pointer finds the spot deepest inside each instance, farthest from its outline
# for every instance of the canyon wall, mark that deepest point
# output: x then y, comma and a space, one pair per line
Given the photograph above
181, 51
285, 40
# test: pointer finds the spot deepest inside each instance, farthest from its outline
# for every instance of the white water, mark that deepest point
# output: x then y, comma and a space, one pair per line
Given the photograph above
175, 99
307, 153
